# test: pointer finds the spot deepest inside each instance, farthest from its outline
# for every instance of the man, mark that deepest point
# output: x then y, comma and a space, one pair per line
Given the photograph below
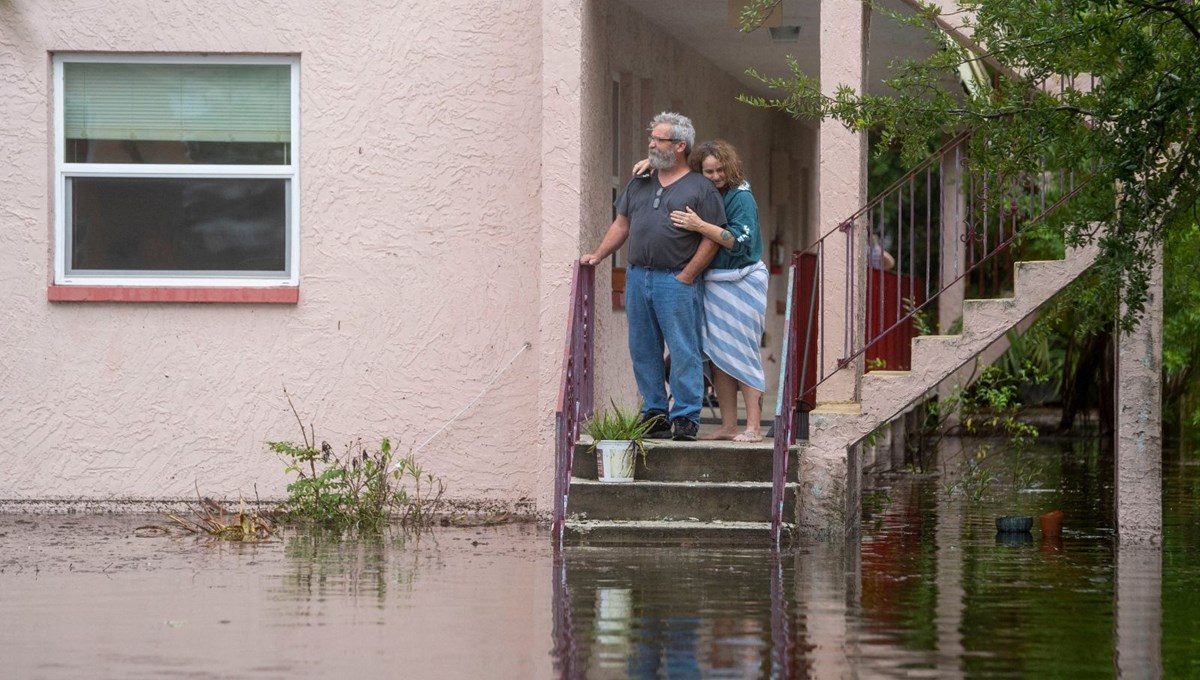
662, 295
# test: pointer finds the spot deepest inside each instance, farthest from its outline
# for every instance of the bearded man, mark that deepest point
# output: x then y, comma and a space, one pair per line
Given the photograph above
663, 301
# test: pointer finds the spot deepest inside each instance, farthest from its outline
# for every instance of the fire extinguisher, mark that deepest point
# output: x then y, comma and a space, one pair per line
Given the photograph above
777, 255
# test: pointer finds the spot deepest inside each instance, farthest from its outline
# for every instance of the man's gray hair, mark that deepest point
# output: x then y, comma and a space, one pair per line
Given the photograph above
681, 128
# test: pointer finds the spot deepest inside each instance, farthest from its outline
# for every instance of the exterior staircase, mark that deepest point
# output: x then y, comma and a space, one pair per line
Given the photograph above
714, 493
886, 394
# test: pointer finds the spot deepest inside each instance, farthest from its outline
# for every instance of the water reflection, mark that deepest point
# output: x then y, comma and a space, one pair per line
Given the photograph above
1137, 612
931, 590
324, 565
927, 591
670, 613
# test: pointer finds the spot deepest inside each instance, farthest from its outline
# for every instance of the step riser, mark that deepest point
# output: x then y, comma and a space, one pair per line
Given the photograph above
715, 536
677, 464
705, 502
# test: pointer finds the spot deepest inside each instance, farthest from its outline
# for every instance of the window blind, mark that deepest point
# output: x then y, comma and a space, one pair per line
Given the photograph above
177, 102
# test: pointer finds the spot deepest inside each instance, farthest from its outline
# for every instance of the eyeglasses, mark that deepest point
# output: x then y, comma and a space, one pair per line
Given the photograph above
661, 140
657, 196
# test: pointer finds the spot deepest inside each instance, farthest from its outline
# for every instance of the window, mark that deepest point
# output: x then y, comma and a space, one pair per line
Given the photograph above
176, 171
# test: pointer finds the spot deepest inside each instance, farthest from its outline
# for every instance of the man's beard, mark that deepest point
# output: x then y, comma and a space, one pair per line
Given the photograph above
662, 160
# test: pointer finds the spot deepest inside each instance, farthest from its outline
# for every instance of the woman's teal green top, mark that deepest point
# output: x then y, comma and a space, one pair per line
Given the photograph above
741, 214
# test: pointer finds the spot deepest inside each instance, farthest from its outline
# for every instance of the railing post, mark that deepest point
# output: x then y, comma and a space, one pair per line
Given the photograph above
575, 393
790, 370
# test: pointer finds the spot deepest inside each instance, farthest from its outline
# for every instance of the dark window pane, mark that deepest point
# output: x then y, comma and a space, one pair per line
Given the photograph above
176, 153
177, 225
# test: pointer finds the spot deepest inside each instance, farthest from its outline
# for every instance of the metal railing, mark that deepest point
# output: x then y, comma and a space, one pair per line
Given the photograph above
974, 234
575, 391
941, 233
786, 406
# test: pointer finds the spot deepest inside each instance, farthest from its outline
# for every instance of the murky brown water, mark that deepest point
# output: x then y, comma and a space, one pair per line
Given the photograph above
930, 591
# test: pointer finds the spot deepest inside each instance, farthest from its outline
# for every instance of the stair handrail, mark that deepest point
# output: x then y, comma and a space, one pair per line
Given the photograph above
576, 386
976, 222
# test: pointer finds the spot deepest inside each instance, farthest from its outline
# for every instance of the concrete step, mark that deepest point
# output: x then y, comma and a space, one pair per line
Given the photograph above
649, 533
671, 461
688, 501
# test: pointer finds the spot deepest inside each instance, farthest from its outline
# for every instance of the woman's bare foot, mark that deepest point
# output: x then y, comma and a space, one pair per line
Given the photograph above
722, 434
751, 436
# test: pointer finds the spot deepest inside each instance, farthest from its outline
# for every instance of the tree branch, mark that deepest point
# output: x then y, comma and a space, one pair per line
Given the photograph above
1164, 7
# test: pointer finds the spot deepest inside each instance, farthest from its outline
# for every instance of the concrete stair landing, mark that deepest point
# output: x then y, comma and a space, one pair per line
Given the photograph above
684, 493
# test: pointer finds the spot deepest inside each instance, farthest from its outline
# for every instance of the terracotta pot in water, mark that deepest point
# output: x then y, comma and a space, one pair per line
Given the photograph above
1051, 523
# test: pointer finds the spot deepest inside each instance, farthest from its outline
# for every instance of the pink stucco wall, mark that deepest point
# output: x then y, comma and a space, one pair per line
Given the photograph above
422, 266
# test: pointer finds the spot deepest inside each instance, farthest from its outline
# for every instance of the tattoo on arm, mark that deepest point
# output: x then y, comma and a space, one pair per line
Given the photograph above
726, 236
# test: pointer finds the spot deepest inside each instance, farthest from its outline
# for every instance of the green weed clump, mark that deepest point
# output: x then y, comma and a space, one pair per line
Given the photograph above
990, 406
363, 489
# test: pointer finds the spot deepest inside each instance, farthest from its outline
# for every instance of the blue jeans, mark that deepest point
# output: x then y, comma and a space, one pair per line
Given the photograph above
661, 310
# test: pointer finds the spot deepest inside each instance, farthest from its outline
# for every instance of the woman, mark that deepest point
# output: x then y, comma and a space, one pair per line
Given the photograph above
735, 291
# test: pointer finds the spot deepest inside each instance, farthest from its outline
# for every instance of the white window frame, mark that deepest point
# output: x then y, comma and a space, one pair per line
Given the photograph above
290, 172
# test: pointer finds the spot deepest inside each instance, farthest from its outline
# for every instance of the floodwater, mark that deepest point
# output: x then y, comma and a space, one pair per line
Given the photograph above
930, 590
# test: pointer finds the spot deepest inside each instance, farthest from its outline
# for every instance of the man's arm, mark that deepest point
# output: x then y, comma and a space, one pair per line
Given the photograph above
617, 233
699, 262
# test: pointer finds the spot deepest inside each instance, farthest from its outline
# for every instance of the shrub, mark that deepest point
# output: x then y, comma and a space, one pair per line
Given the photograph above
361, 489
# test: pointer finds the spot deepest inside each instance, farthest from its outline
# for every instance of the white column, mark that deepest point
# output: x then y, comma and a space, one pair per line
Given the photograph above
953, 259
953, 254
1139, 422
562, 207
842, 181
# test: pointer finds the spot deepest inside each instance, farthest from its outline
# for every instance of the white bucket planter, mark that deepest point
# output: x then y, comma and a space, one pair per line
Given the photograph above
615, 459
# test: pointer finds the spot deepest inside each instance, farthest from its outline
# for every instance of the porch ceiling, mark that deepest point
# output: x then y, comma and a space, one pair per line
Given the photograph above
704, 24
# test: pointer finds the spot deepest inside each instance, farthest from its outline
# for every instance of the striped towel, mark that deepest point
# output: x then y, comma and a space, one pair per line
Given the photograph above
735, 308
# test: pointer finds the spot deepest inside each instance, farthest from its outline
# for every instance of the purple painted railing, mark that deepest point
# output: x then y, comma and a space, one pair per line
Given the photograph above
575, 391
941, 232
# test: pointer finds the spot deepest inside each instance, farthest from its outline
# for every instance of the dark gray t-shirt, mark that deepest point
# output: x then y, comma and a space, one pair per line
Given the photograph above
653, 240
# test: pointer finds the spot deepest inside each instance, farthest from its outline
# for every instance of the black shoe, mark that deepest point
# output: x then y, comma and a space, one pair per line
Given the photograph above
685, 430
661, 429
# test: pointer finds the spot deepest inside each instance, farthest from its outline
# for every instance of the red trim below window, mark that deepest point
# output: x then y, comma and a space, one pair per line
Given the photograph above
283, 296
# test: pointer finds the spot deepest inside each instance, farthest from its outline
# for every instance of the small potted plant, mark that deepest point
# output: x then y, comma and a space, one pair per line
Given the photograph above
618, 435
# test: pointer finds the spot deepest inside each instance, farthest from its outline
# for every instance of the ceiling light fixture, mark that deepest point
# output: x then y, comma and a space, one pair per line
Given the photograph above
785, 33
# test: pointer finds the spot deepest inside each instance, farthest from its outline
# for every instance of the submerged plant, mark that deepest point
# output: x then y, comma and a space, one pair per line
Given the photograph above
988, 407
975, 477
362, 489
212, 519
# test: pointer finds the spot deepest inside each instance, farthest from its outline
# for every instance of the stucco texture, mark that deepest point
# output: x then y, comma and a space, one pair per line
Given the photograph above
422, 283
